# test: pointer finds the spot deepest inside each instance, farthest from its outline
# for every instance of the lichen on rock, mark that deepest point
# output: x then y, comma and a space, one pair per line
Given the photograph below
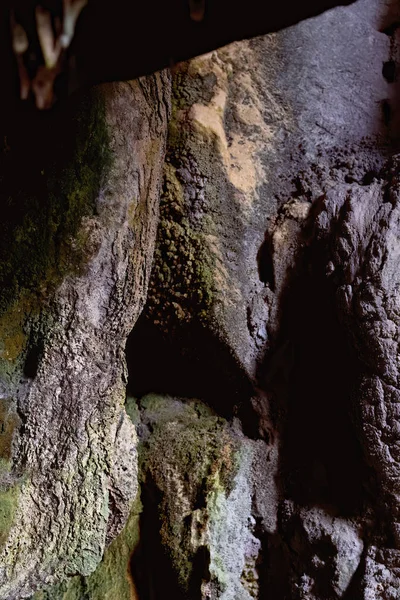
200, 470
112, 578
75, 490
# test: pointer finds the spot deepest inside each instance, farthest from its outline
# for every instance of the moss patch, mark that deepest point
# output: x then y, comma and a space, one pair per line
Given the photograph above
189, 454
8, 505
12, 335
41, 234
71, 590
9, 494
38, 244
9, 420
112, 577
182, 285
111, 580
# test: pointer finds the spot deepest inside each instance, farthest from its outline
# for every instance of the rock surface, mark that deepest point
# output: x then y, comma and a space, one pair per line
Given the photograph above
255, 157
263, 371
74, 459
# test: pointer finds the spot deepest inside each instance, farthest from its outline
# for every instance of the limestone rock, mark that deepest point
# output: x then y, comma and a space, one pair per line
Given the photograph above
74, 459
331, 544
199, 476
262, 374
381, 579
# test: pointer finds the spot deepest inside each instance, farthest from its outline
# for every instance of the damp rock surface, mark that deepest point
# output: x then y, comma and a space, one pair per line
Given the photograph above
250, 444
72, 468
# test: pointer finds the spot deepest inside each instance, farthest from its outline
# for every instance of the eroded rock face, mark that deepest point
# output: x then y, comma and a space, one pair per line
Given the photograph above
74, 459
328, 549
381, 574
275, 192
364, 267
263, 369
199, 477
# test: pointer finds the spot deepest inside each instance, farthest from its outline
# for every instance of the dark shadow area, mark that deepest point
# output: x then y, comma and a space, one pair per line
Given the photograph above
151, 567
275, 582
263, 563
389, 25
389, 71
322, 459
390, 19
311, 379
391, 29
190, 363
32, 360
50, 173
200, 573
265, 264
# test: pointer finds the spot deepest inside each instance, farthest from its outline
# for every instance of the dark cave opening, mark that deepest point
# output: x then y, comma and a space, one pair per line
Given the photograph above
189, 362
265, 264
322, 458
389, 71
151, 565
32, 360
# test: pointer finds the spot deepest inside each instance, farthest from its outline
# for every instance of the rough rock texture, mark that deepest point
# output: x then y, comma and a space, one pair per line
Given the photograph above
199, 479
329, 550
263, 370
381, 574
279, 193
74, 458
363, 253
112, 579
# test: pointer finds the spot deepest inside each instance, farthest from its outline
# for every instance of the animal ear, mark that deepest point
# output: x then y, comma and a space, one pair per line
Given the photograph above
197, 9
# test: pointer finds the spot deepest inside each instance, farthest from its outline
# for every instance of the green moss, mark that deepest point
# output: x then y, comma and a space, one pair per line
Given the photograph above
9, 421
112, 577
190, 452
41, 234
160, 410
182, 286
10, 485
12, 335
8, 505
73, 192
111, 580
73, 589
9, 494
182, 281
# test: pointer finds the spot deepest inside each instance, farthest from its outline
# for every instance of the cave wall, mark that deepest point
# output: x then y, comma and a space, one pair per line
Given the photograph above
70, 474
276, 169
248, 434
